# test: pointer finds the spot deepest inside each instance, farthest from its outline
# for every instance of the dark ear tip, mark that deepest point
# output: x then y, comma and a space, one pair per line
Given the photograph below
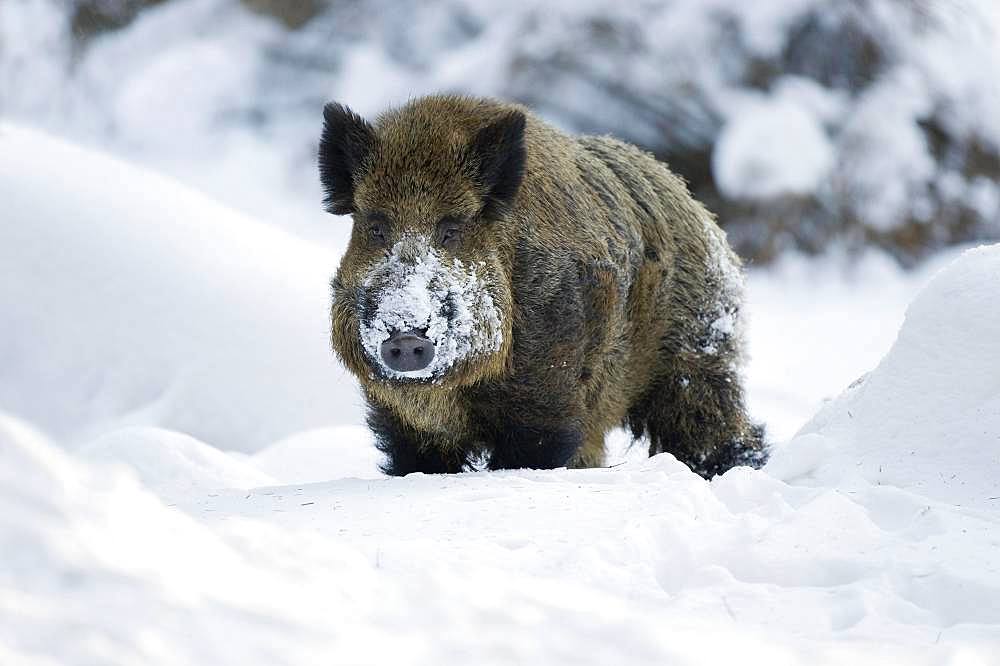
498, 153
511, 124
335, 112
517, 119
344, 142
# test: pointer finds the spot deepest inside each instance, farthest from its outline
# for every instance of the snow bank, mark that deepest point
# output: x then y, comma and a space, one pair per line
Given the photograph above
129, 300
322, 454
95, 570
927, 419
173, 464
815, 327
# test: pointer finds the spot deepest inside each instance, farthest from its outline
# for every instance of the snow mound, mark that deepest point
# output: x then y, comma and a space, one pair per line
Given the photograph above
129, 300
814, 328
173, 464
95, 570
322, 454
927, 419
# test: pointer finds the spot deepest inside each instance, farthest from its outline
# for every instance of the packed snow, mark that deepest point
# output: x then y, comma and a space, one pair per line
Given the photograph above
148, 332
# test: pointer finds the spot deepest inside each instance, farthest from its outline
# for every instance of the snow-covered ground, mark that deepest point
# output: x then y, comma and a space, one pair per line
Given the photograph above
151, 333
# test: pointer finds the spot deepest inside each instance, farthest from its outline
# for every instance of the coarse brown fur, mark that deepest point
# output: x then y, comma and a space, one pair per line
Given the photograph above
618, 296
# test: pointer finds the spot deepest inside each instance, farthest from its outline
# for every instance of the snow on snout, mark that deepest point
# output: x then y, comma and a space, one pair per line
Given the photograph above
416, 289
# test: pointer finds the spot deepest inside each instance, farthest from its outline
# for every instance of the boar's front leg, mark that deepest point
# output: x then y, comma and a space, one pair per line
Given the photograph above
522, 446
408, 450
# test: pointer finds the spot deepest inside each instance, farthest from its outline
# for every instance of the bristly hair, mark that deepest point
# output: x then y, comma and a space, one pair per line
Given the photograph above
346, 141
499, 154
405, 452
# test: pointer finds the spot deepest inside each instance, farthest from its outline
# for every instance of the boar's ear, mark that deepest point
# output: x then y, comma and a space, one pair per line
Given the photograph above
498, 153
346, 140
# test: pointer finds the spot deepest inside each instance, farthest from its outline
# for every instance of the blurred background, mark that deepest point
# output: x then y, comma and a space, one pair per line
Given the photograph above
847, 146
804, 124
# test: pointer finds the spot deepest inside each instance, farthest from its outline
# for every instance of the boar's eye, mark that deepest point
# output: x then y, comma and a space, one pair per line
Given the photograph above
449, 232
378, 229
377, 232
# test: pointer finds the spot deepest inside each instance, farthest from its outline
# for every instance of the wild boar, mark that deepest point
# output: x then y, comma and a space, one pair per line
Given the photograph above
510, 293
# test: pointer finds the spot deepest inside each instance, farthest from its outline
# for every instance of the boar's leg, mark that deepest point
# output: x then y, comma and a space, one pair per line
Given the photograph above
408, 450
522, 446
696, 412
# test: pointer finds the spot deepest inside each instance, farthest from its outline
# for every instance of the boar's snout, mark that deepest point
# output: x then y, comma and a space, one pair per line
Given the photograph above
406, 351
